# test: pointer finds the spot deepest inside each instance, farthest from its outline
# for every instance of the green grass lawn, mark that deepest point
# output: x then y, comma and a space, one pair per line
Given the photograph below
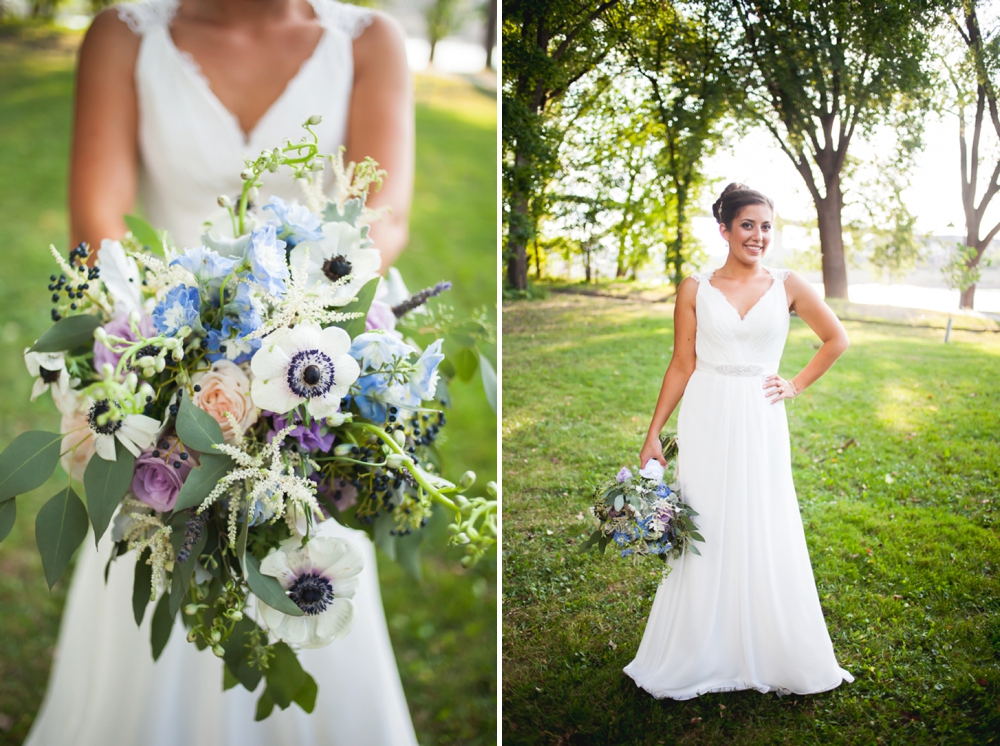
896, 460
443, 630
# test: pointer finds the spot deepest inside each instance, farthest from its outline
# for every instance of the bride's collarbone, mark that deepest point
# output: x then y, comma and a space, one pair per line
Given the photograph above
742, 293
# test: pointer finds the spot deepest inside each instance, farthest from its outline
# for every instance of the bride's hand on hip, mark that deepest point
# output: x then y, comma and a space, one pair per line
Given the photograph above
777, 388
651, 450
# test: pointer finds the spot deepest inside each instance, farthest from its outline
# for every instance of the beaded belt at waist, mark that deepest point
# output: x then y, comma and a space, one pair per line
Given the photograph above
736, 369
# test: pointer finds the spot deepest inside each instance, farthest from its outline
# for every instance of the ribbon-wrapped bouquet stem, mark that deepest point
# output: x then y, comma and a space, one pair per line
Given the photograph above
220, 402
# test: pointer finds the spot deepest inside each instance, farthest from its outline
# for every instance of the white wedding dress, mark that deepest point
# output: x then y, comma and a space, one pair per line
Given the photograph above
105, 689
745, 614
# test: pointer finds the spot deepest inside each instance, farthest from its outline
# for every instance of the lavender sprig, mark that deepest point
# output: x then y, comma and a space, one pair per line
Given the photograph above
418, 299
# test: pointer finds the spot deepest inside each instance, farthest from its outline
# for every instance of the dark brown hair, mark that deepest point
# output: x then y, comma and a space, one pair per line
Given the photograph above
734, 198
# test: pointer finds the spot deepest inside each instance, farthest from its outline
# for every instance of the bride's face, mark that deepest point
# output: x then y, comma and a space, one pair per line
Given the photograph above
751, 233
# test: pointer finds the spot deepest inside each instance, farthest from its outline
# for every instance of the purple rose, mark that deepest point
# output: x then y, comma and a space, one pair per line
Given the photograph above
310, 438
380, 316
119, 327
624, 474
158, 479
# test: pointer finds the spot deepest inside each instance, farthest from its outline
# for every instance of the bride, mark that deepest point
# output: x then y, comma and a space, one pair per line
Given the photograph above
172, 95
745, 614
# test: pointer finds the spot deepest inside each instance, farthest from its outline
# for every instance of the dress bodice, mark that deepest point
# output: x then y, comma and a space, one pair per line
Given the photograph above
723, 339
192, 149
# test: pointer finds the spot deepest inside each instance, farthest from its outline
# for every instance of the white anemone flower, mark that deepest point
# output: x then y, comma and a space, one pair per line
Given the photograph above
120, 275
49, 369
303, 364
321, 578
135, 431
337, 255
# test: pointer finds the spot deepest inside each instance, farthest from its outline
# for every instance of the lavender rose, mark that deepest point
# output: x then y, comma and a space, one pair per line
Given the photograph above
624, 474
119, 327
158, 478
380, 316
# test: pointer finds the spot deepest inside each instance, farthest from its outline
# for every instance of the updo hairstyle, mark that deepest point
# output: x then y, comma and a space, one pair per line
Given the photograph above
734, 198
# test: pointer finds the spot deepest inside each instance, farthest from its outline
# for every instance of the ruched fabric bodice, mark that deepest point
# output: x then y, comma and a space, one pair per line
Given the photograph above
724, 339
192, 149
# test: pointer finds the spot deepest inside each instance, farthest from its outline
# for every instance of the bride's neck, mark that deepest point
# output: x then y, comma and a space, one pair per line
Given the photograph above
244, 11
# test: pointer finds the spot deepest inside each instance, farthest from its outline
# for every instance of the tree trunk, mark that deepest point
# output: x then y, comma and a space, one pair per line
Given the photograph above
831, 239
491, 33
517, 236
678, 274
538, 258
968, 297
434, 43
620, 269
586, 264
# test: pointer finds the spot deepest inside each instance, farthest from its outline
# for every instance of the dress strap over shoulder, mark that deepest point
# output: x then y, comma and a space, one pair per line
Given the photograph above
701, 277
779, 274
146, 14
351, 19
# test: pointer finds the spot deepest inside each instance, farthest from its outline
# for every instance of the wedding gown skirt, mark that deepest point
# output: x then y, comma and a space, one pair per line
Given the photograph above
105, 689
745, 614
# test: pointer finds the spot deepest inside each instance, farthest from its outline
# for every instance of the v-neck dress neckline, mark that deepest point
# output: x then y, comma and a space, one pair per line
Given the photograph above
191, 65
774, 282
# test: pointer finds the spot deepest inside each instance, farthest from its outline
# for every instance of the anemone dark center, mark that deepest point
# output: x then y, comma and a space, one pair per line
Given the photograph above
336, 267
311, 374
312, 593
49, 376
93, 419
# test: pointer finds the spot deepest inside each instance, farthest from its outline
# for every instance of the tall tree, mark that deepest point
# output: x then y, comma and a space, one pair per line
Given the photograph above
974, 77
490, 32
681, 51
443, 17
818, 73
547, 45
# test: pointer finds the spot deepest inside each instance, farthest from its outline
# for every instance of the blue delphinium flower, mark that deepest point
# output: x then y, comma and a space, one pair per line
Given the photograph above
375, 350
181, 307
661, 490
244, 307
206, 265
229, 343
423, 383
266, 257
372, 396
297, 223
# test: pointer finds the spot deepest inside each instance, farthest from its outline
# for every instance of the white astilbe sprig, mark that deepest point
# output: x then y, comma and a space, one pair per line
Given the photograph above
354, 180
159, 274
146, 530
312, 191
302, 304
267, 478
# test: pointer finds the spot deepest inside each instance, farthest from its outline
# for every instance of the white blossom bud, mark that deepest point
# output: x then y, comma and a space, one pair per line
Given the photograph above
253, 193
225, 201
108, 370
400, 437
395, 460
467, 480
134, 318
131, 381
192, 636
160, 364
462, 538
146, 361
100, 335
219, 651
247, 174
491, 488
344, 449
314, 120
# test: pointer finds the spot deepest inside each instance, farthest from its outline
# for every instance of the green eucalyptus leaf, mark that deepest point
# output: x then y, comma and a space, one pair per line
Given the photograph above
466, 363
361, 303
269, 590
228, 680
408, 554
592, 541
196, 428
236, 654
694, 549
305, 697
106, 483
60, 527
619, 502
142, 586
202, 480
697, 537
27, 462
489, 377
163, 622
8, 512
285, 676
144, 233
265, 706
68, 334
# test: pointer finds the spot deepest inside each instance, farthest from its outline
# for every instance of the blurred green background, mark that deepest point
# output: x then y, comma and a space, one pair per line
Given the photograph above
443, 629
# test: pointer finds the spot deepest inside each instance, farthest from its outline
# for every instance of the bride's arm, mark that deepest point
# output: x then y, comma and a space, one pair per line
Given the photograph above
681, 367
380, 125
102, 170
806, 302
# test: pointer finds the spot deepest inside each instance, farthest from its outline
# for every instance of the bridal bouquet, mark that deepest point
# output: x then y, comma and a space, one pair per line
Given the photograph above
219, 402
642, 515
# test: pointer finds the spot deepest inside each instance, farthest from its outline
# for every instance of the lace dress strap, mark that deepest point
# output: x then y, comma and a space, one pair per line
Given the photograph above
351, 19
779, 274
146, 14
701, 277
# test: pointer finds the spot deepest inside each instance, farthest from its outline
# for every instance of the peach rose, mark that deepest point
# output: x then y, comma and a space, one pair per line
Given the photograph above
75, 462
225, 388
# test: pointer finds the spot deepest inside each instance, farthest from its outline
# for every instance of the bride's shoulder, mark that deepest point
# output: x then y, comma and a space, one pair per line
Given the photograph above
109, 45
142, 15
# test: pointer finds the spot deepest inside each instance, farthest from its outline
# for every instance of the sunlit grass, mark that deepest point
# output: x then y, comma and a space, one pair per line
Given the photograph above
896, 460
